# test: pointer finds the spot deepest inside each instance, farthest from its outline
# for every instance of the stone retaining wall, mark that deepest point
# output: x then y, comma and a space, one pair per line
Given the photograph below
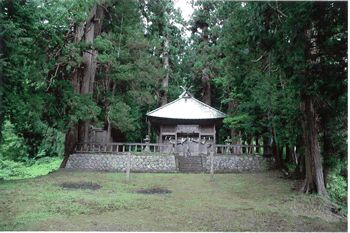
166, 163
118, 162
239, 163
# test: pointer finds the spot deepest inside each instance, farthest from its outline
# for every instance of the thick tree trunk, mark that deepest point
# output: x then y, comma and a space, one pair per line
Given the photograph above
266, 143
72, 136
327, 149
69, 145
109, 124
2, 55
275, 151
250, 143
206, 85
233, 133
314, 181
257, 148
83, 79
280, 154
166, 66
92, 29
299, 159
289, 155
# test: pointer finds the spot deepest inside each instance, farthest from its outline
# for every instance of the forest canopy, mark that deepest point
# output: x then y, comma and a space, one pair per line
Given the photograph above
279, 69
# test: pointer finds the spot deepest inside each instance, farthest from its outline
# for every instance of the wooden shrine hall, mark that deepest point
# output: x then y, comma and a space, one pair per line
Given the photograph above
186, 125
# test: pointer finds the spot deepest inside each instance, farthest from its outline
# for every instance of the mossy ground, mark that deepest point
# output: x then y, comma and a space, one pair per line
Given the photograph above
232, 202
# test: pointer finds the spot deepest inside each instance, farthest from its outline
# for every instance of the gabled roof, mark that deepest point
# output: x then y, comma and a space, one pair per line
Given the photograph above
186, 107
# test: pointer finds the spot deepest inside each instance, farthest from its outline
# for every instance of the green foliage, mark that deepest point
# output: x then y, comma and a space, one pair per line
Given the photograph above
52, 144
337, 184
12, 146
12, 170
238, 121
82, 107
120, 116
338, 188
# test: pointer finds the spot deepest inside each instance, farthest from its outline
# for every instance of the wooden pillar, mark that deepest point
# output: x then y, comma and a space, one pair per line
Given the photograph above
214, 135
128, 167
212, 164
149, 128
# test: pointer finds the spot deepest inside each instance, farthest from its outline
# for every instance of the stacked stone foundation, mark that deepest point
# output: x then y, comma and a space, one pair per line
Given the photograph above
166, 162
239, 163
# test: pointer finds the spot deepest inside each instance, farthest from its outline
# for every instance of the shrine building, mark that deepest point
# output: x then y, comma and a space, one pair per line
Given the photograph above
186, 125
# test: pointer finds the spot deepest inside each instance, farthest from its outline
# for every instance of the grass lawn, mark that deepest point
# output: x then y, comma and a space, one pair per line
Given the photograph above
232, 202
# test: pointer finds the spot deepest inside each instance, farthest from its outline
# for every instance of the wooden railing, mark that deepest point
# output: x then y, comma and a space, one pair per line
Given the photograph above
238, 149
219, 149
117, 147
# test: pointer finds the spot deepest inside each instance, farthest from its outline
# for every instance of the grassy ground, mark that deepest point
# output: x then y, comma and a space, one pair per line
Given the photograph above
232, 202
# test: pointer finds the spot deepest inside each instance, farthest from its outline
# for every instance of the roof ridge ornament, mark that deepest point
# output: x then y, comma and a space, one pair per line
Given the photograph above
186, 92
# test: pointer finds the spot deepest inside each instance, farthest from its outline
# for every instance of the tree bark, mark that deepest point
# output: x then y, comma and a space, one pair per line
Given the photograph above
289, 154
166, 66
314, 181
69, 144
206, 86
2, 55
83, 78
92, 29
275, 151
72, 135
109, 124
257, 148
280, 154
266, 143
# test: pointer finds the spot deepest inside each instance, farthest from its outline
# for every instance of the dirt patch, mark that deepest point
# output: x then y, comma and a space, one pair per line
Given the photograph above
80, 185
156, 190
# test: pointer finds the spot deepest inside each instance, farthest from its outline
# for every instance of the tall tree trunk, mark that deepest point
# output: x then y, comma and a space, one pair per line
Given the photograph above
206, 86
2, 55
250, 142
299, 159
72, 136
266, 143
92, 29
275, 150
166, 66
83, 79
314, 181
289, 154
109, 124
257, 148
280, 155
314, 177
233, 133
326, 148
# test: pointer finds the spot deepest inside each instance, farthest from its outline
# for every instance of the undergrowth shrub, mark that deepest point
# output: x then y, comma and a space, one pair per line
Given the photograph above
13, 146
52, 144
15, 161
337, 185
12, 170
